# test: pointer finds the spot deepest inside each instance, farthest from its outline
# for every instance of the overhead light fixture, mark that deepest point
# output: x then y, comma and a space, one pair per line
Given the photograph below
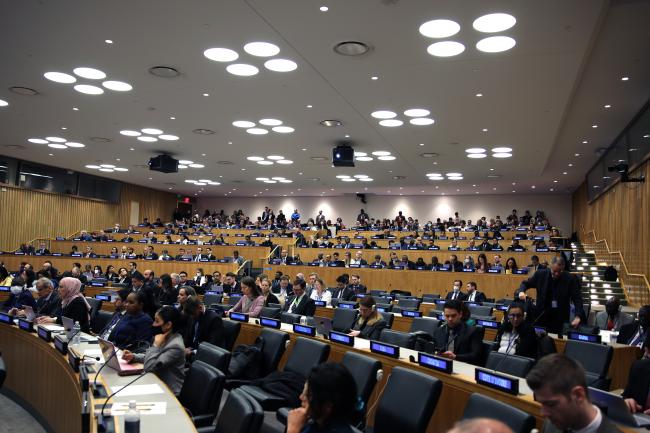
60, 77
416, 112
324, 8
255, 158
89, 73
501, 150
280, 65
446, 49
265, 162
495, 44
3, 103
501, 155
363, 158
283, 129
243, 124
147, 139
88, 89
23, 91
242, 69
475, 150
271, 122
422, 121
331, 123
257, 131
152, 131
383, 114
476, 155
381, 153
625, 78
117, 86
391, 123
351, 48
440, 28
164, 71
493, 23
261, 49
386, 158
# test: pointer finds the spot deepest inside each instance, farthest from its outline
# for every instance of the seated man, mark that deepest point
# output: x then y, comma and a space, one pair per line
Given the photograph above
149, 253
358, 259
638, 384
230, 284
355, 285
202, 325
634, 333
474, 295
378, 263
456, 292
42, 249
456, 340
300, 303
612, 319
48, 302
515, 246
456, 265
342, 290
236, 258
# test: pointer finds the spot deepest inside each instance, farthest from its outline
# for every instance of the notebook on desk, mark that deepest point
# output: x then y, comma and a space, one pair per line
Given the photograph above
116, 362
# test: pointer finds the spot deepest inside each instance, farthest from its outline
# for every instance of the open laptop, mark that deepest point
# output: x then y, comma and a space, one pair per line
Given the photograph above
616, 409
116, 362
323, 325
29, 313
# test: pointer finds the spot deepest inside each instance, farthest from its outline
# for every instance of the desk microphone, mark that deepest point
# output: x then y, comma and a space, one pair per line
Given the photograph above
507, 354
98, 388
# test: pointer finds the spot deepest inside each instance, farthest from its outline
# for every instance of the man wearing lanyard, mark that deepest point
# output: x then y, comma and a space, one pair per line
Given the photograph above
300, 304
556, 290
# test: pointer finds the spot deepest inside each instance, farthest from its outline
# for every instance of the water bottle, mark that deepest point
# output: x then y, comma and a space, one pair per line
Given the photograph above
303, 320
76, 335
132, 419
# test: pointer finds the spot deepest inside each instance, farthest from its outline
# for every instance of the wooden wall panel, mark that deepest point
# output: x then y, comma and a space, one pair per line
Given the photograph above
27, 214
622, 217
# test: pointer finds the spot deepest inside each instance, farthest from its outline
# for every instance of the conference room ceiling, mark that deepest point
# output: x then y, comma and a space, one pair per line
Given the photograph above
540, 98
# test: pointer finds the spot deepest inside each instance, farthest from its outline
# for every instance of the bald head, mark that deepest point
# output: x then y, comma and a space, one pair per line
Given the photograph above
480, 425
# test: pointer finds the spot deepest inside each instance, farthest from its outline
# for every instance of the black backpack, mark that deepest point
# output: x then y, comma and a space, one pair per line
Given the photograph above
610, 274
246, 361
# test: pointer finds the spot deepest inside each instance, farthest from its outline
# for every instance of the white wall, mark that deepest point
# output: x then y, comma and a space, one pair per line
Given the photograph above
557, 207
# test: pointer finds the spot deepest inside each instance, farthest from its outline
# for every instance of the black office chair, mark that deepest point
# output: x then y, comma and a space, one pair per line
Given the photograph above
240, 414
510, 364
481, 311
201, 392
430, 297
350, 304
231, 330
290, 318
408, 304
99, 322
3, 372
434, 313
305, 354
426, 324
594, 358
401, 339
212, 299
407, 403
95, 306
480, 406
232, 300
343, 319
375, 293
389, 318
215, 356
385, 307
273, 305
273, 313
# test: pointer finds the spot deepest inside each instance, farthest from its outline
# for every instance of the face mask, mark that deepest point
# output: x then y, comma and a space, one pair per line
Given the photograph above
33, 289
155, 330
456, 289
16, 290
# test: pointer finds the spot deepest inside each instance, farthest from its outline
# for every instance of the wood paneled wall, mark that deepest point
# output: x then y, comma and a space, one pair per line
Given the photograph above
27, 214
622, 217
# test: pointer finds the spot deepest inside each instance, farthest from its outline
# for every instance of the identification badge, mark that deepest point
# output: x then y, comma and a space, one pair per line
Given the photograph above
554, 304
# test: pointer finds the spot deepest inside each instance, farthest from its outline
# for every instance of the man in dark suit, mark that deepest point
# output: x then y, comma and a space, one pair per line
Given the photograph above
48, 270
456, 293
203, 325
378, 263
456, 265
474, 295
133, 270
559, 385
535, 265
48, 302
637, 391
456, 340
141, 284
342, 291
355, 285
556, 290
230, 284
636, 332
300, 303
42, 249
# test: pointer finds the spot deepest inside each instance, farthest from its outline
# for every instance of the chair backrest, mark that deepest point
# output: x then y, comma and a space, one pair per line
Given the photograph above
95, 306
434, 313
351, 304
430, 297
389, 318
275, 343
426, 324
375, 293
386, 307
364, 370
237, 414
409, 304
407, 403
480, 310
272, 305
289, 317
212, 299
305, 354
202, 388
215, 356
273, 313
480, 406
594, 358
232, 300
401, 339
230, 333
510, 364
343, 319
3, 371
99, 322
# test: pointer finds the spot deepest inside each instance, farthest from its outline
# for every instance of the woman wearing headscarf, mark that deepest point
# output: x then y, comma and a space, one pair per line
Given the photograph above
73, 305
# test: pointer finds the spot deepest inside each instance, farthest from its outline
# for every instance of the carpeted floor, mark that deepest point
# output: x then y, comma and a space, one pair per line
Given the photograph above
14, 419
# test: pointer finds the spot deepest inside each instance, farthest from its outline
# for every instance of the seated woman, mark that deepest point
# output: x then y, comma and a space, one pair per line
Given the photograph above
511, 266
370, 322
73, 305
21, 294
167, 294
110, 274
269, 297
167, 354
252, 300
328, 402
320, 292
183, 293
482, 264
516, 336
134, 326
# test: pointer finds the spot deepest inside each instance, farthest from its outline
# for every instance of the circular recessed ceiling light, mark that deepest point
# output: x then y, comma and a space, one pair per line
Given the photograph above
280, 65
89, 73
342, 176
476, 155
182, 166
475, 150
130, 133
196, 165
492, 23
261, 178
351, 48
271, 122
255, 158
60, 77
277, 178
242, 69
391, 123
381, 153
417, 112
348, 179
363, 158
94, 167
383, 114
57, 146
3, 103
269, 181
168, 137
361, 176
106, 165
501, 150
366, 179
275, 157
261, 49
118, 86
439, 28
446, 49
164, 71
453, 174
147, 139
360, 153
190, 181
502, 155
37, 141
56, 139
434, 174
286, 181
107, 170
285, 161
283, 129
88, 89
257, 131
495, 44
243, 124
265, 162
152, 131
455, 178
221, 54
121, 169
185, 162
421, 121
200, 183
74, 144
386, 158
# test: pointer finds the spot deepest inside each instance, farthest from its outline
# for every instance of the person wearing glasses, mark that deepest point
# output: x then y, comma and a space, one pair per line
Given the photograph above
516, 337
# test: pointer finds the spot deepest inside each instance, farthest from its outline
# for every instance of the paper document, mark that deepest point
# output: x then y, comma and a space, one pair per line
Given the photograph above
138, 390
53, 328
145, 408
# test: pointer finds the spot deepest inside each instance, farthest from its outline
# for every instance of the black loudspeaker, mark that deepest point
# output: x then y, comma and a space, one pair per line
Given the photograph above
343, 156
164, 164
362, 197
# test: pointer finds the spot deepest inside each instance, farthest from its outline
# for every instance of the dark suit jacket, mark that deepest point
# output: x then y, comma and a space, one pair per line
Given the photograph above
18, 301
345, 293
131, 329
638, 382
526, 343
210, 329
271, 299
628, 332
49, 307
462, 296
306, 306
77, 311
478, 297
467, 346
360, 288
